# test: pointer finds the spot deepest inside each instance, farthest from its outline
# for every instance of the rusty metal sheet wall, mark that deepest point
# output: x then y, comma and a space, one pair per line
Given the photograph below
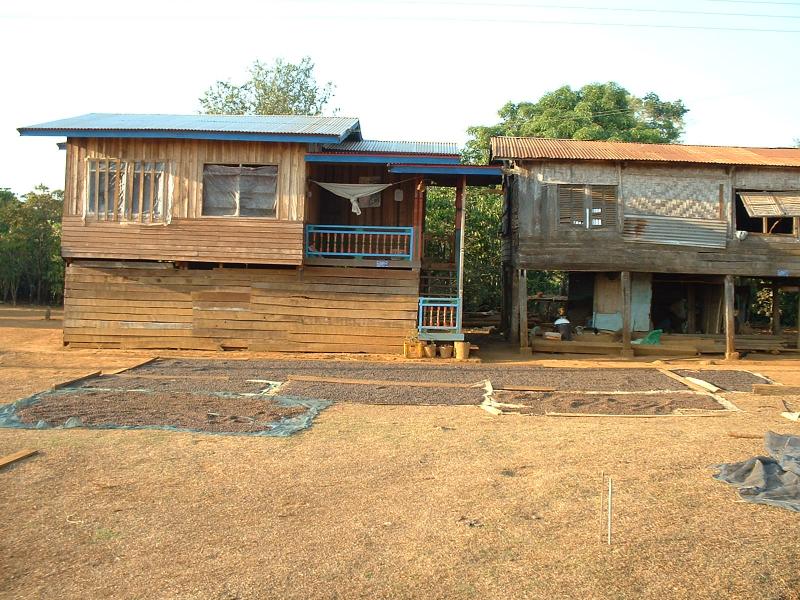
702, 233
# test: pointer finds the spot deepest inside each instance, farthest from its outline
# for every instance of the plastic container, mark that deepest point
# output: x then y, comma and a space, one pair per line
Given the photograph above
462, 350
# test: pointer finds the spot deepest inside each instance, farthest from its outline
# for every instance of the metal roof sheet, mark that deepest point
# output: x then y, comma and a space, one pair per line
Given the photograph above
545, 148
326, 129
394, 147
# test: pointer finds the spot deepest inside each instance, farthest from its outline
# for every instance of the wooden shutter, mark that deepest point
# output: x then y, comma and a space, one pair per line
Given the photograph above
603, 214
760, 204
571, 211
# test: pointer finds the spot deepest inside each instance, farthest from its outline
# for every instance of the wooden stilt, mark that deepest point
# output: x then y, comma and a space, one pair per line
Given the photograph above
776, 309
798, 318
523, 309
627, 325
691, 310
513, 325
730, 324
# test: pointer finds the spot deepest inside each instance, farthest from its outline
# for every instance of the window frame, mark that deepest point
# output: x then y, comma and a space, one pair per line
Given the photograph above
237, 214
123, 188
767, 222
587, 194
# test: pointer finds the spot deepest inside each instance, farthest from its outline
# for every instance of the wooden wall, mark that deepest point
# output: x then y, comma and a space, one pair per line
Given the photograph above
325, 208
189, 236
316, 309
662, 191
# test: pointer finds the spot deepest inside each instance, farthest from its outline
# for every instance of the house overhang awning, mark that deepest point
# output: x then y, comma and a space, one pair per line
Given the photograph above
448, 175
382, 159
771, 204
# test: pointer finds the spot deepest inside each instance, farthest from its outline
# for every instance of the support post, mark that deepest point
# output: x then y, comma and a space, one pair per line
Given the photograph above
523, 309
627, 325
513, 316
798, 317
691, 309
461, 203
730, 321
776, 309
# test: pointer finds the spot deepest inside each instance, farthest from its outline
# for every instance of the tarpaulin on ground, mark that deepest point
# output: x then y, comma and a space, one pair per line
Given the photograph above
773, 479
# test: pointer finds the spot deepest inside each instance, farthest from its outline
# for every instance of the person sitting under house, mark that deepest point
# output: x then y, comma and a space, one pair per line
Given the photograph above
563, 325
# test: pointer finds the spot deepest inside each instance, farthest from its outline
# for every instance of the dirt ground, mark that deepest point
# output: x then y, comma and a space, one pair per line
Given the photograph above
387, 501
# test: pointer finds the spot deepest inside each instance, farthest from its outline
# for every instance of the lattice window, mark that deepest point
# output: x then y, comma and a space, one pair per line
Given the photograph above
119, 190
587, 206
571, 206
603, 206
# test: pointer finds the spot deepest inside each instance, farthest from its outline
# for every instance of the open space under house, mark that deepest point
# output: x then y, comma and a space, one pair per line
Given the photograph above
285, 233
652, 236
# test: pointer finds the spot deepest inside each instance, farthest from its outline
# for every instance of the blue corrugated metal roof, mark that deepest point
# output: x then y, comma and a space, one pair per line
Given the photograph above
298, 128
387, 147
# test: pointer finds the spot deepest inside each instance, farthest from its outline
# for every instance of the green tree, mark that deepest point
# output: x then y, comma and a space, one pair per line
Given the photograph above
283, 88
30, 245
597, 111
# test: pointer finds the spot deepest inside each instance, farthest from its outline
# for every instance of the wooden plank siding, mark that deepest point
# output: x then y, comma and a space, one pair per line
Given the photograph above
316, 309
210, 239
189, 235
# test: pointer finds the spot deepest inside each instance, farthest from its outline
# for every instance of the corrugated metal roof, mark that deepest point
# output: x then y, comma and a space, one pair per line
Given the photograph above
545, 148
328, 129
389, 147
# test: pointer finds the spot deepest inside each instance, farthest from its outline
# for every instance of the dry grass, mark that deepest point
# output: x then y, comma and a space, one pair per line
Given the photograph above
395, 502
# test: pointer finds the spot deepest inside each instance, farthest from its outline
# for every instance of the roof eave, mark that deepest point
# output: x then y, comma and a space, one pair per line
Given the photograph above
301, 138
385, 159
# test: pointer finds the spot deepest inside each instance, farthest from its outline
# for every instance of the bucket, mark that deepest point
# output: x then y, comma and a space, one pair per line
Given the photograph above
430, 351
446, 351
418, 349
409, 349
462, 350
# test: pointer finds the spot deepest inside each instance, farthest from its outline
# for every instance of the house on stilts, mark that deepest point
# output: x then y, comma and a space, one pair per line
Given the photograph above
265, 233
651, 236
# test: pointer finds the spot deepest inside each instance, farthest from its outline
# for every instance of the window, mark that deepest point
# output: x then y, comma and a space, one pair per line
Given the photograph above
126, 190
239, 190
767, 212
587, 207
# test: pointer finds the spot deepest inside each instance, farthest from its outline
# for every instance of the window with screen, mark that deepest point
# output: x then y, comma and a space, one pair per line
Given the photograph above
240, 190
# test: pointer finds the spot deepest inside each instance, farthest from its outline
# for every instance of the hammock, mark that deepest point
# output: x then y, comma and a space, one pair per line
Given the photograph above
354, 191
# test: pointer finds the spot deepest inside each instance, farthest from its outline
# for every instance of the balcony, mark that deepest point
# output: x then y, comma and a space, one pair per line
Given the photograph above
368, 245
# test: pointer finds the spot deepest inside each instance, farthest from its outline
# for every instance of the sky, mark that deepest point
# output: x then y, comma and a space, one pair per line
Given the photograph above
415, 70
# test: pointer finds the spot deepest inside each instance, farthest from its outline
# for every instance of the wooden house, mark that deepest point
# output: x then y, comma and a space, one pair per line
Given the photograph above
271, 233
674, 237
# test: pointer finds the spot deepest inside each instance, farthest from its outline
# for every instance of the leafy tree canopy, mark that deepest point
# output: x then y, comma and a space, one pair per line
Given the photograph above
282, 88
597, 111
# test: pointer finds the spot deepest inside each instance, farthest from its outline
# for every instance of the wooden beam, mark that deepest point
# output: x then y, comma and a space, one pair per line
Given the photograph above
691, 309
627, 325
513, 317
776, 309
523, 309
730, 325
11, 458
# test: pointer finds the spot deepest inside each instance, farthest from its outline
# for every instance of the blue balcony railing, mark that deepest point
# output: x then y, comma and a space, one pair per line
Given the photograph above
439, 315
350, 241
